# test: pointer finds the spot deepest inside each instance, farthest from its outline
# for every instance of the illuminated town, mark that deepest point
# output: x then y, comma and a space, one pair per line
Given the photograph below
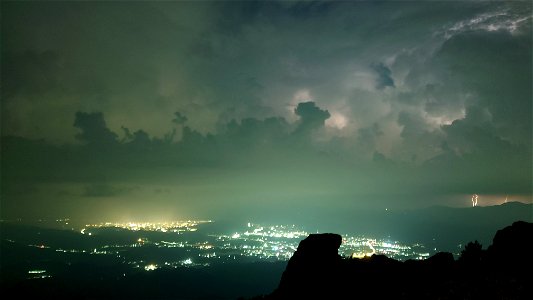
177, 226
151, 246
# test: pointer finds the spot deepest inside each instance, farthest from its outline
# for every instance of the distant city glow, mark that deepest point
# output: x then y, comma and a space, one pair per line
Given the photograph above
253, 242
38, 274
175, 226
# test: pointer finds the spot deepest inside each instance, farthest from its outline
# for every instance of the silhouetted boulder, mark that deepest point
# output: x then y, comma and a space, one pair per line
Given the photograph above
323, 246
316, 271
512, 246
313, 269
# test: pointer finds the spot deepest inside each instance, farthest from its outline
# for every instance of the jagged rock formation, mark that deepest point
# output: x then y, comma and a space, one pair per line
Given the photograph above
314, 265
504, 271
513, 246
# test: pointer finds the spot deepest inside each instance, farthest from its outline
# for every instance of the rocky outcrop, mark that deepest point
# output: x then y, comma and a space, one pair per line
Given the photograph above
512, 246
314, 267
316, 271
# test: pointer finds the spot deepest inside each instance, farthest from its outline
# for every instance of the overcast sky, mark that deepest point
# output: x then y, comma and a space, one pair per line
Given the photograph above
162, 110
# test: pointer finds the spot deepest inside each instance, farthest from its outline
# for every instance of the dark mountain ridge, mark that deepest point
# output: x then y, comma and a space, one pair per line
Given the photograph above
503, 271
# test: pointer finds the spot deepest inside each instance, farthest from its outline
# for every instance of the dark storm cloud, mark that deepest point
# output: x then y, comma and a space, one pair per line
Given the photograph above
384, 76
368, 135
179, 118
503, 86
311, 117
413, 125
94, 129
30, 71
274, 101
210, 62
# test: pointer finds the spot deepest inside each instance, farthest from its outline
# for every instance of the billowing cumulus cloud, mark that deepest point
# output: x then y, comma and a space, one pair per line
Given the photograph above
312, 118
93, 129
240, 105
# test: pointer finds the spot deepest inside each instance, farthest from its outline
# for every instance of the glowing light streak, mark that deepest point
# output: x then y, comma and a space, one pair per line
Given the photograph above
372, 248
474, 200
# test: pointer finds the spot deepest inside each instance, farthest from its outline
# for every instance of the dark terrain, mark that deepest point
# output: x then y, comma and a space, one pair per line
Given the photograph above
503, 271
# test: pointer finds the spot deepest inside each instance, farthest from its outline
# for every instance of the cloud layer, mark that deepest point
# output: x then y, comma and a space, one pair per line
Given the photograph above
211, 107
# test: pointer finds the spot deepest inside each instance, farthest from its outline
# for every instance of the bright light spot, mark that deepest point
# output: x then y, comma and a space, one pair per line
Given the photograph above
188, 261
90, 234
150, 267
302, 95
474, 200
372, 248
236, 236
437, 121
36, 271
337, 120
492, 27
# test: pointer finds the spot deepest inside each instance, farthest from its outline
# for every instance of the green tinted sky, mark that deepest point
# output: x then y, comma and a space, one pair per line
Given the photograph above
212, 109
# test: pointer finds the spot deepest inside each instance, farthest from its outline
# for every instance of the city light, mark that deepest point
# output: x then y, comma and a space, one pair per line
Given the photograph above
150, 267
253, 242
176, 226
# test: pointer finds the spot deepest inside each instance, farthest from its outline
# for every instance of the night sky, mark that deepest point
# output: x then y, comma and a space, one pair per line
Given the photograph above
177, 110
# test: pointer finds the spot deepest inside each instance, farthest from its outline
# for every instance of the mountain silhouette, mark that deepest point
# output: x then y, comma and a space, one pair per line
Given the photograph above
503, 271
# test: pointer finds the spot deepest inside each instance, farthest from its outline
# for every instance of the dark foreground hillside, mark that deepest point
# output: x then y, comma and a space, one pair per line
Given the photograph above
503, 271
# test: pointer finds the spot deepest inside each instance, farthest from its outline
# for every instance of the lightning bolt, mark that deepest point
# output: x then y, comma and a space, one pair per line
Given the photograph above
474, 200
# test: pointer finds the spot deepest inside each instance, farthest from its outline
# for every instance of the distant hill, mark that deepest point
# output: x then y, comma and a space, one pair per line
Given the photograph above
446, 227
441, 227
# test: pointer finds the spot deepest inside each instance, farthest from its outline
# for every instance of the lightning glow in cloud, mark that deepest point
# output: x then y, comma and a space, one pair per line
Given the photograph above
474, 200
